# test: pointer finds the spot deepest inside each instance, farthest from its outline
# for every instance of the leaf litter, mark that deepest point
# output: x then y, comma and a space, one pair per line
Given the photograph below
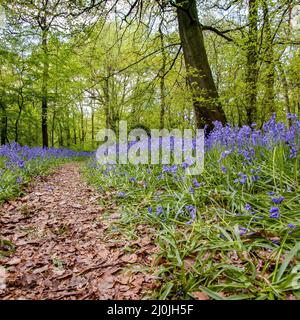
55, 245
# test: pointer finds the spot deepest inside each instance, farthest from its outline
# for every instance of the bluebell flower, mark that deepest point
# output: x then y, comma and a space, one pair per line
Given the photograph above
21, 164
274, 213
185, 165
248, 207
19, 180
224, 155
242, 231
192, 211
276, 242
224, 169
291, 226
278, 200
150, 209
242, 179
196, 183
191, 190
121, 194
159, 210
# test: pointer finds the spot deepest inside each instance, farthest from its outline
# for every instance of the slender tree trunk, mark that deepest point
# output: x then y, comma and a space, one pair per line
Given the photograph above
285, 89
107, 99
93, 123
53, 127
61, 137
17, 124
206, 103
3, 124
252, 60
74, 130
20, 106
45, 87
162, 80
68, 132
269, 60
82, 126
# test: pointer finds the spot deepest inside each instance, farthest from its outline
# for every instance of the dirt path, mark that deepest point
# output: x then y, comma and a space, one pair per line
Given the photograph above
63, 249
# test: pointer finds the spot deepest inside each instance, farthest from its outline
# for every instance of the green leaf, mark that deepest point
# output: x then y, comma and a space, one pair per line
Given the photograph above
211, 293
167, 290
287, 260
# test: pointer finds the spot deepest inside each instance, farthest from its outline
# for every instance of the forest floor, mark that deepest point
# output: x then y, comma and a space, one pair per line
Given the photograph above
60, 243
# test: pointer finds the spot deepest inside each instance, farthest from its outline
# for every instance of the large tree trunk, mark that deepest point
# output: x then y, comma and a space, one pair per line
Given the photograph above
45, 88
252, 59
206, 103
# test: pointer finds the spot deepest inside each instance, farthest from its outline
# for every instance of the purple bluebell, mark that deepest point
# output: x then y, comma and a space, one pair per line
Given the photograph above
248, 207
224, 169
159, 210
191, 190
196, 183
19, 180
274, 213
278, 200
276, 242
243, 231
121, 194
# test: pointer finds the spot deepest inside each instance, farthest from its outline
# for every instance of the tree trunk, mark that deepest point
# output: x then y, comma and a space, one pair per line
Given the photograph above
53, 127
61, 137
68, 132
45, 88
206, 103
252, 60
20, 106
93, 123
285, 90
74, 130
162, 81
269, 60
3, 124
107, 100
82, 137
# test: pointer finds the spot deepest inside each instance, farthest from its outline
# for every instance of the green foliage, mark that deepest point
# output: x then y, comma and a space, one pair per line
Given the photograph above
233, 248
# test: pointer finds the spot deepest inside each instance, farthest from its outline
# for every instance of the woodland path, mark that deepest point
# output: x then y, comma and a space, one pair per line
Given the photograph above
64, 248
